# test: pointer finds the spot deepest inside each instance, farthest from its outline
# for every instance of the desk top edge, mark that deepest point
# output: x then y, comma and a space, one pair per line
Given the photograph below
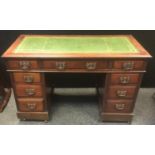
142, 52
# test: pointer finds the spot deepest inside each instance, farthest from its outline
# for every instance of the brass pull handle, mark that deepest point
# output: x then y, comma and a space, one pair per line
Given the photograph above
24, 65
91, 65
128, 65
124, 79
119, 106
121, 93
30, 92
28, 79
31, 106
60, 65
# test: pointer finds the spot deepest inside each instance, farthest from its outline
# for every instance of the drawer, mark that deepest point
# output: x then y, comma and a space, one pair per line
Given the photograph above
30, 105
75, 65
120, 106
121, 92
129, 65
123, 79
26, 90
22, 64
27, 77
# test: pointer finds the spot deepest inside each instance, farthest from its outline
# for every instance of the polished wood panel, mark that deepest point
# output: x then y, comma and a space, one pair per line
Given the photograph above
124, 79
28, 90
119, 106
23, 64
117, 117
41, 116
121, 92
75, 65
129, 65
24, 77
30, 104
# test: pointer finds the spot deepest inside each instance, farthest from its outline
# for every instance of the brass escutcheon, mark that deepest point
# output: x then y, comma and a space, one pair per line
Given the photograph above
128, 65
24, 65
121, 93
124, 79
30, 92
120, 106
91, 65
28, 79
31, 106
60, 65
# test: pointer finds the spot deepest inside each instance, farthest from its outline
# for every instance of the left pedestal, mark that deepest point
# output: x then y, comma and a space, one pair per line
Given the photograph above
30, 95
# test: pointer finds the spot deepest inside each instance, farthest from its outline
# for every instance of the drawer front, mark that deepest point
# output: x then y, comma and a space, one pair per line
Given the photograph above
75, 65
121, 106
121, 92
28, 90
123, 79
27, 77
30, 105
23, 64
129, 65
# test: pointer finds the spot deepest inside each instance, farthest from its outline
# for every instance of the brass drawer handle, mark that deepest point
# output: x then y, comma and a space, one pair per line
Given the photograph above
91, 65
60, 65
31, 106
119, 106
24, 65
124, 79
28, 79
121, 93
128, 65
30, 92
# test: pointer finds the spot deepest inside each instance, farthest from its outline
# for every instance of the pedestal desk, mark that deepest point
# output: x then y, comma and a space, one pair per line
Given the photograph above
120, 57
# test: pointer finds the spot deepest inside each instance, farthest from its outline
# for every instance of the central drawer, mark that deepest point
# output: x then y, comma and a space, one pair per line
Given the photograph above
121, 92
25, 90
75, 65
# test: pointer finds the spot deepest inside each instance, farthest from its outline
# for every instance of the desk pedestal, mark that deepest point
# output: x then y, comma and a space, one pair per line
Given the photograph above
117, 99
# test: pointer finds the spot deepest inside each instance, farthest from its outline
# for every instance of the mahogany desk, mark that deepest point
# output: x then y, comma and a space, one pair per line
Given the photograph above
120, 57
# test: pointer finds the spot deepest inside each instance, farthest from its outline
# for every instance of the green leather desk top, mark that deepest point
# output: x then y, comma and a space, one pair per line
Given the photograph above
80, 45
